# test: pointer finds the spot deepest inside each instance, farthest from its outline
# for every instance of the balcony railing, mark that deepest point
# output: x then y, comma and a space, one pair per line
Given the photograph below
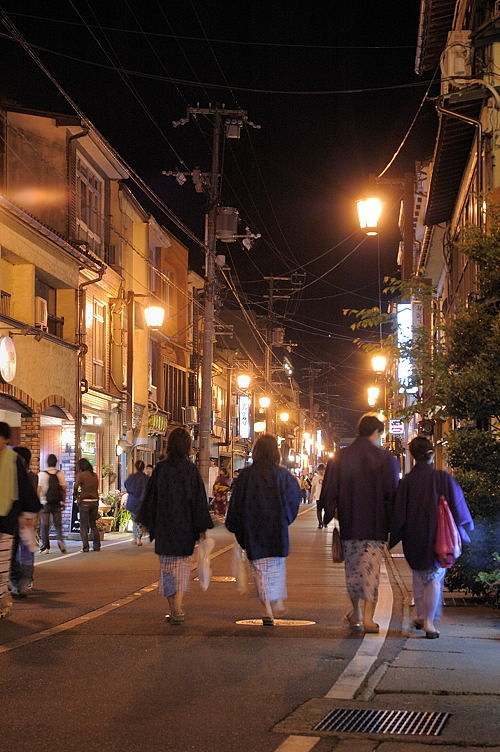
5, 303
55, 325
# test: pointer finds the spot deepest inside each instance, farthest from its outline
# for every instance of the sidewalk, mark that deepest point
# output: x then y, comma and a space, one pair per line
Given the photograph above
457, 674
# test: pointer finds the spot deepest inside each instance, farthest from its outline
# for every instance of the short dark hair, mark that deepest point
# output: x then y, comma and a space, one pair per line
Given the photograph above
368, 424
139, 466
150, 466
52, 460
178, 444
321, 466
25, 453
266, 450
421, 449
83, 464
4, 430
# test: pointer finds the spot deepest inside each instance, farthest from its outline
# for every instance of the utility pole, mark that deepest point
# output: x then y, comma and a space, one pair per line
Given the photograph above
234, 120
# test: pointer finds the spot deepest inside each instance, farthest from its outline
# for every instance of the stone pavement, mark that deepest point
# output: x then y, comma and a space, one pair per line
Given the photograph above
457, 674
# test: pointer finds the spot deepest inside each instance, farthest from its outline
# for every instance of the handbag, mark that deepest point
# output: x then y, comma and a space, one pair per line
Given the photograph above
337, 547
448, 545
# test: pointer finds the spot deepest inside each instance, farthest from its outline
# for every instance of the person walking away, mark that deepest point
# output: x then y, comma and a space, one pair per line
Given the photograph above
17, 495
304, 485
22, 564
358, 488
175, 512
86, 492
136, 487
149, 470
414, 522
220, 491
52, 493
316, 486
264, 502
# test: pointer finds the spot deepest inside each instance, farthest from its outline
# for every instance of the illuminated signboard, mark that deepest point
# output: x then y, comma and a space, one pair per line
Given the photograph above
244, 416
8, 359
396, 427
405, 333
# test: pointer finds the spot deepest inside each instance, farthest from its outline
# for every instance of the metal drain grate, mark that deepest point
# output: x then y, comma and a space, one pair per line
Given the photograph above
409, 722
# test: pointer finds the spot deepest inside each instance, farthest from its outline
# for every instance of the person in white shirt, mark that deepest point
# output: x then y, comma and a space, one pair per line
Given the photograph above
52, 494
317, 482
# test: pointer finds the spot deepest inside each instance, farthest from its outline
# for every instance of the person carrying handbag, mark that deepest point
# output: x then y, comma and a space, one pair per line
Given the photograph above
415, 523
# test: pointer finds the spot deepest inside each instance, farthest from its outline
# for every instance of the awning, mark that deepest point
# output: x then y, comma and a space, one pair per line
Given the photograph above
436, 20
453, 144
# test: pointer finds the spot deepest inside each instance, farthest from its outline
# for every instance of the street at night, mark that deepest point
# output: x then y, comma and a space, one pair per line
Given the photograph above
249, 376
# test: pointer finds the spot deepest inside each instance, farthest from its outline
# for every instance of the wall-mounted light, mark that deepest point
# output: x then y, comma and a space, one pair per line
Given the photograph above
284, 417
119, 450
243, 381
259, 426
154, 316
264, 402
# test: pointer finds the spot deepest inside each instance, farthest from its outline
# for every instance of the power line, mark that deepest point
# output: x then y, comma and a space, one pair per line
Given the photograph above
228, 41
207, 85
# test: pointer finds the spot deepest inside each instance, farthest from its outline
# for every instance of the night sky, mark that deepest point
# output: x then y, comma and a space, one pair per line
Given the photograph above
296, 179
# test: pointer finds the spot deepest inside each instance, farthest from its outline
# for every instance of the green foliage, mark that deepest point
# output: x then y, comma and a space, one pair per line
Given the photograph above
490, 580
474, 451
122, 517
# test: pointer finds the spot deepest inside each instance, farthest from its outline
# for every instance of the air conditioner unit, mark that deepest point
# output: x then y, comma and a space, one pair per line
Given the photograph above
456, 60
191, 415
41, 313
153, 393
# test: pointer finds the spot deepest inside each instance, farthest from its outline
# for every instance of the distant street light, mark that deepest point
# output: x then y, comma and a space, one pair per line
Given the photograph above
369, 211
264, 402
373, 392
154, 316
284, 417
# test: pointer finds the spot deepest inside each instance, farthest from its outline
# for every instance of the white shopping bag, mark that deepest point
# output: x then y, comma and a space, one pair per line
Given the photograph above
240, 568
205, 548
27, 530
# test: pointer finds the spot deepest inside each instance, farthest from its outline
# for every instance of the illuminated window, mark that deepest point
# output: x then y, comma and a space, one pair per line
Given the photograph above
99, 344
89, 207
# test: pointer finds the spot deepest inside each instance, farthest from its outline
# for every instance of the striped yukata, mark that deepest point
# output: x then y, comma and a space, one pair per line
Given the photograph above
175, 574
270, 577
5, 556
362, 560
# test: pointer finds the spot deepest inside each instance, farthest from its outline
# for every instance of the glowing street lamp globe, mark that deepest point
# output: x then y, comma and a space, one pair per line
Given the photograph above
369, 212
243, 381
154, 316
379, 363
264, 402
373, 393
284, 417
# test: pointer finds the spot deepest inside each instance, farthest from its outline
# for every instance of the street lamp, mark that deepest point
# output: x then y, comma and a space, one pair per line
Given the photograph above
154, 316
379, 363
284, 417
243, 381
369, 211
264, 402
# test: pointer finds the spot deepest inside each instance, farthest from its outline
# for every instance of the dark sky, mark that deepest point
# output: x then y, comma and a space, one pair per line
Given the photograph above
297, 178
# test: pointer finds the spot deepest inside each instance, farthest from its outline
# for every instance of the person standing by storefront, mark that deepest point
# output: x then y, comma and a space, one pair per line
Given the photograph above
175, 512
264, 502
17, 495
136, 488
22, 565
360, 483
52, 492
86, 492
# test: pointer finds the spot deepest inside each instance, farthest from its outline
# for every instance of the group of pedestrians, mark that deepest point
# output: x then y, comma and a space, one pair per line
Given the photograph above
360, 488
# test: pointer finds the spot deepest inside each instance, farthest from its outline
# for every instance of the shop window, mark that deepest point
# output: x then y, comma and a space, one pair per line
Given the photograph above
98, 343
89, 207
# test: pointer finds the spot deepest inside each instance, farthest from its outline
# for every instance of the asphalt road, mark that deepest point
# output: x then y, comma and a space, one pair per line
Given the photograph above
120, 678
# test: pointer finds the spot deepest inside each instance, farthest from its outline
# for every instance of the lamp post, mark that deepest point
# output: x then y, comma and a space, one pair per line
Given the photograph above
369, 211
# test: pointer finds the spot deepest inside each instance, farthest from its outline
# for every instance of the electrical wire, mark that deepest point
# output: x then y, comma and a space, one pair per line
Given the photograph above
405, 138
226, 41
208, 85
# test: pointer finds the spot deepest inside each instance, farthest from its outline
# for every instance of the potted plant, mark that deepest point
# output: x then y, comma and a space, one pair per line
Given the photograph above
104, 525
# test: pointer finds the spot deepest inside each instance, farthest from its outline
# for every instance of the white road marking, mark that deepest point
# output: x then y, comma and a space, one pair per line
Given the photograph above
358, 667
298, 744
77, 553
72, 623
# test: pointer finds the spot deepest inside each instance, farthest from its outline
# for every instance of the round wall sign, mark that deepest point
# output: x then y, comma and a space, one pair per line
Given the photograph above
8, 359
